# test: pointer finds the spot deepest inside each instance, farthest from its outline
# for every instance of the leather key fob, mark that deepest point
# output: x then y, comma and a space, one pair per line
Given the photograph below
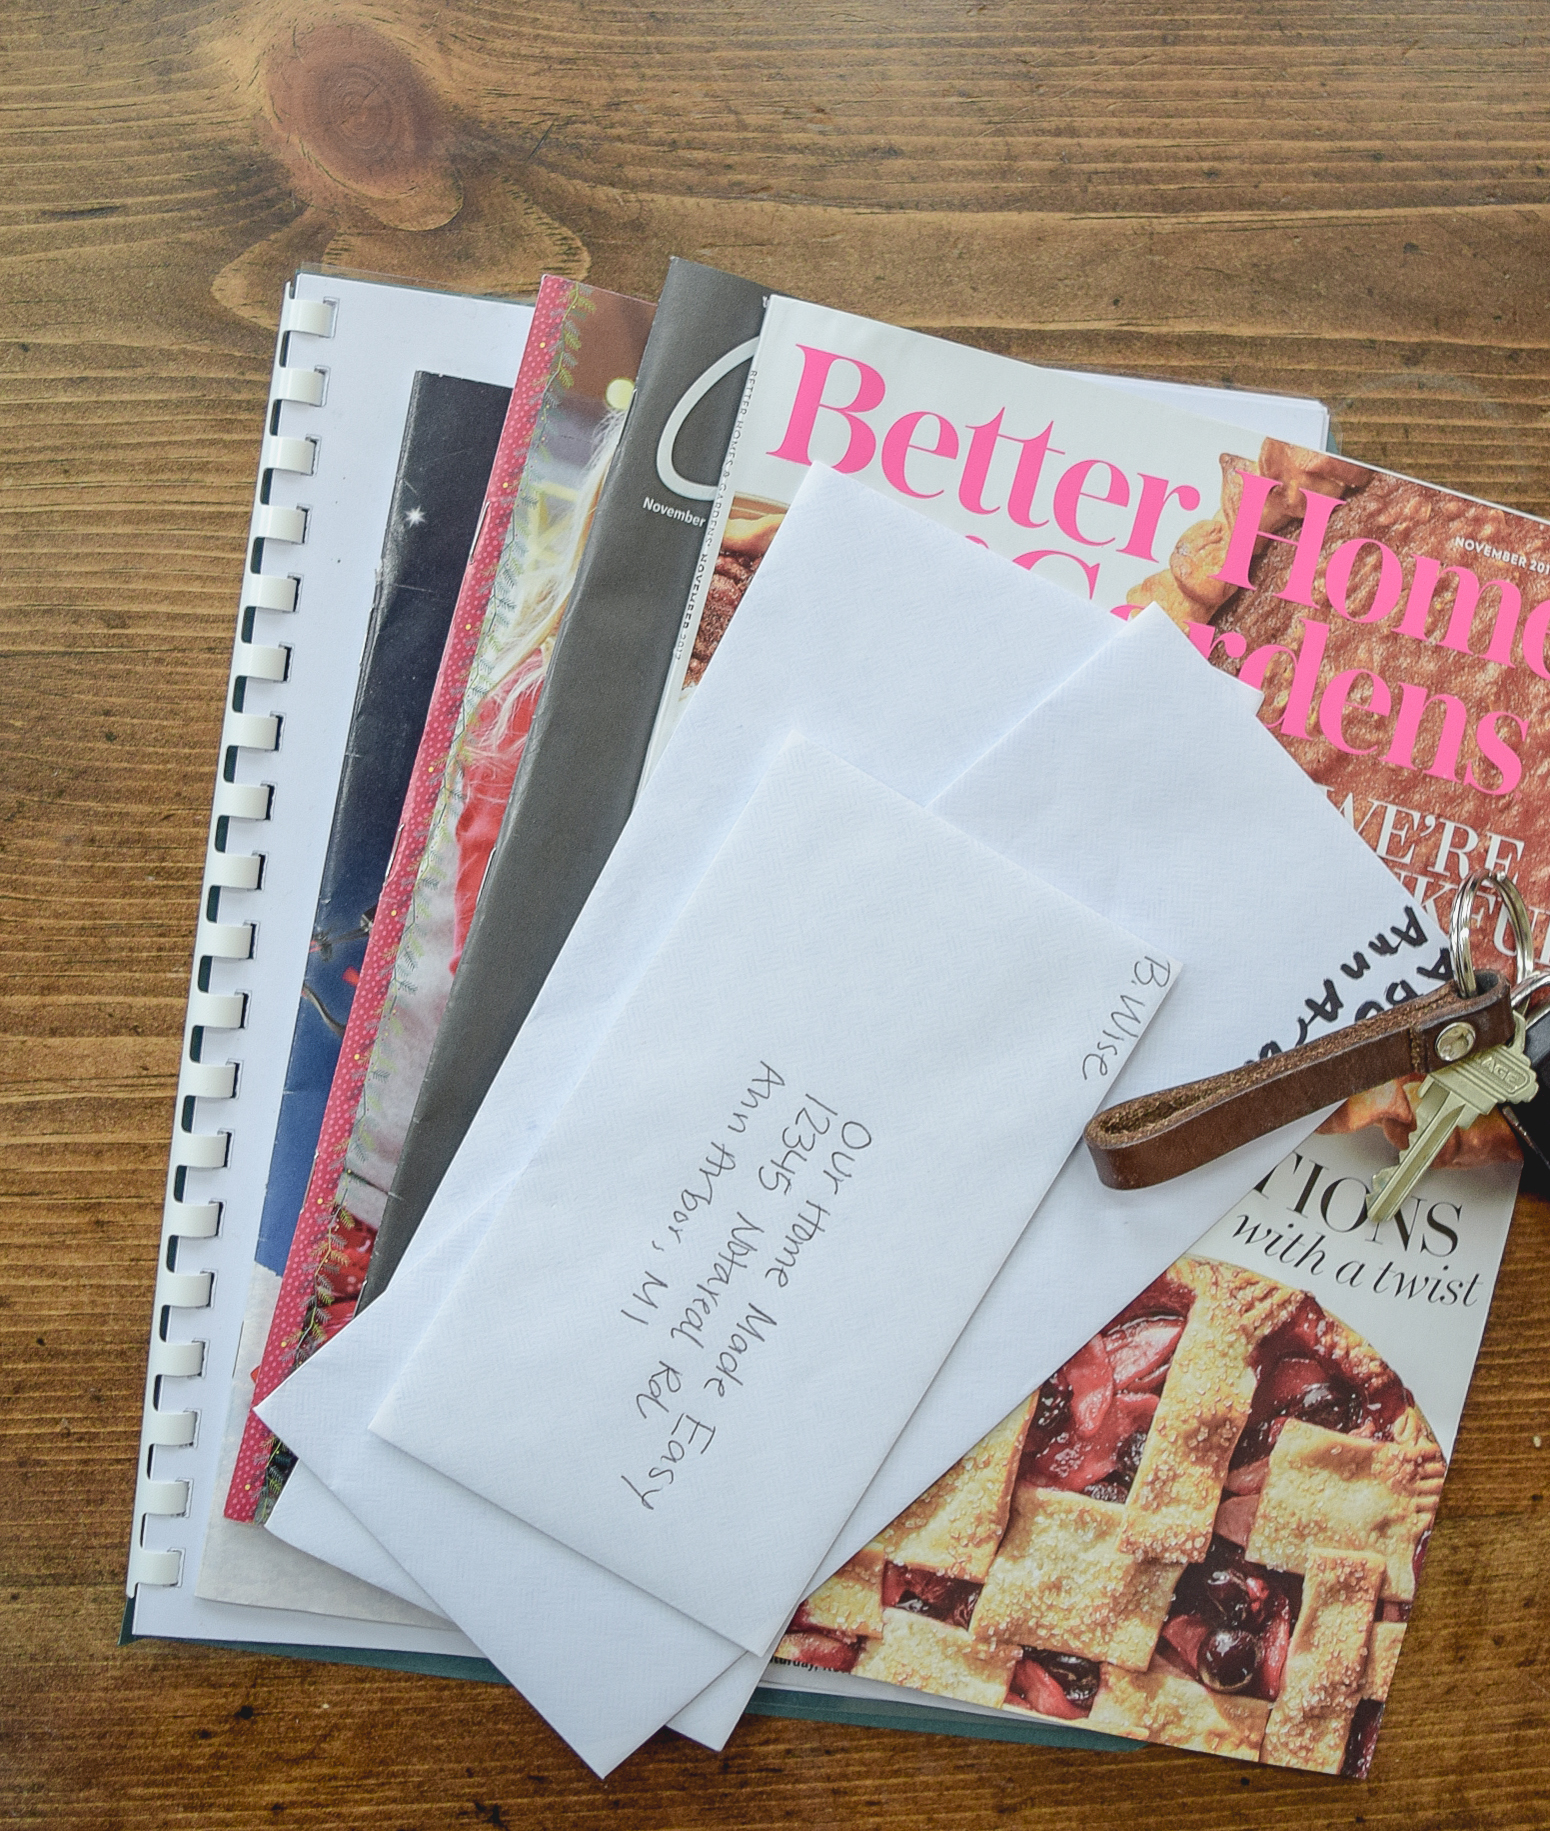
1165, 1134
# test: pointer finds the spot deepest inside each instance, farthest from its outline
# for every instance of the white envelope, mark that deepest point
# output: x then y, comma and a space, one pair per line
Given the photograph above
1202, 833
905, 650
1192, 824
698, 1323
310, 1500
603, 1663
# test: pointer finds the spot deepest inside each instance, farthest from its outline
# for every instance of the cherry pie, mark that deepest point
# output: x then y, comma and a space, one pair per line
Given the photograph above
1203, 1530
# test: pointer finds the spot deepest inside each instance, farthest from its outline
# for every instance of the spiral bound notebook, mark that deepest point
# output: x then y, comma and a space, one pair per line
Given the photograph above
346, 364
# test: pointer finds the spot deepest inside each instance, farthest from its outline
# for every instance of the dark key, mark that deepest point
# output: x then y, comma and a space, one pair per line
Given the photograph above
1531, 1121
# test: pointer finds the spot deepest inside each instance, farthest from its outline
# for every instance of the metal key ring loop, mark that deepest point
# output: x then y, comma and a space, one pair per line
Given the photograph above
1458, 934
1525, 989
1525, 980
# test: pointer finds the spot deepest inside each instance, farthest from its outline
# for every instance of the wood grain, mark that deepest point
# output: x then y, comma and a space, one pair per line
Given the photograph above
1351, 202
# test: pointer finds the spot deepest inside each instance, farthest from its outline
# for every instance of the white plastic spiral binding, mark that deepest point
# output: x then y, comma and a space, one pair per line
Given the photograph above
228, 867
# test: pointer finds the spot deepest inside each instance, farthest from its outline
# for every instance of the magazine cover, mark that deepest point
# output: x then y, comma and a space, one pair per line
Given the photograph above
559, 436
583, 761
1089, 481
1399, 633
1206, 1528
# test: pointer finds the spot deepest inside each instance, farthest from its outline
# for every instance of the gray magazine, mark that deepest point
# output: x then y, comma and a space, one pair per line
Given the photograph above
584, 756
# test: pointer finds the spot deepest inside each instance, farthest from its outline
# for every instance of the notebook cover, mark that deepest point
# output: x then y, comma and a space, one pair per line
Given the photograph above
319, 1275
345, 366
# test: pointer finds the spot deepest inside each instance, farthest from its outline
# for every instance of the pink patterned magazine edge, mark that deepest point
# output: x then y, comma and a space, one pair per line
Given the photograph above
299, 1283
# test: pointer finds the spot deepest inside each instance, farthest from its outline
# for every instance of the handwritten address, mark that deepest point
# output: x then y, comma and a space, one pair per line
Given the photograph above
730, 1242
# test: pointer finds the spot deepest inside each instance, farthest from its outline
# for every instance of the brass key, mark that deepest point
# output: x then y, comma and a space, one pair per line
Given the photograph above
1455, 1095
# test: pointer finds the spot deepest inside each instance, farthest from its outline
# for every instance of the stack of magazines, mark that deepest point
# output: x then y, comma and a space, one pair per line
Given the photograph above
472, 818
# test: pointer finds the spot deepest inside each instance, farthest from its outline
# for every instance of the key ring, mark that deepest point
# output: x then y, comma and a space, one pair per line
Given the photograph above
1525, 981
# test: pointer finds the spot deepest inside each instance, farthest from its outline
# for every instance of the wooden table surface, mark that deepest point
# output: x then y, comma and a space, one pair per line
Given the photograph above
1341, 200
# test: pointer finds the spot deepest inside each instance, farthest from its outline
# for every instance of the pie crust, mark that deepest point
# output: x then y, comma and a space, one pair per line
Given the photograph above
1310, 1721
1205, 1404
1328, 1490
956, 1525
1383, 1646
1161, 1706
1062, 1583
1185, 1537
851, 1601
929, 1655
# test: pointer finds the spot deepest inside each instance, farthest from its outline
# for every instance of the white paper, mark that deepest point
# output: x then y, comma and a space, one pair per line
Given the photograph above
894, 612
1295, 418
868, 1041
875, 660
1202, 832
710, 1718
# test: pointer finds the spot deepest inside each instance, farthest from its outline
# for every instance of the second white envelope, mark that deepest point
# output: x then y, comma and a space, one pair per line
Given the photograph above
788, 1175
